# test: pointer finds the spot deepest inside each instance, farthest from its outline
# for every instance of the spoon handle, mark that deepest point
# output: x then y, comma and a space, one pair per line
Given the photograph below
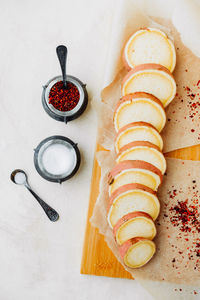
50, 212
62, 56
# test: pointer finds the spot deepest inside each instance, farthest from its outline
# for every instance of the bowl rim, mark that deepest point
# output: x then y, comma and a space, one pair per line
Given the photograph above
57, 178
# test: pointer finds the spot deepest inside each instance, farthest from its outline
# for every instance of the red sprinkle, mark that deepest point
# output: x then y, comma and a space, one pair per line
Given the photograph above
186, 216
64, 99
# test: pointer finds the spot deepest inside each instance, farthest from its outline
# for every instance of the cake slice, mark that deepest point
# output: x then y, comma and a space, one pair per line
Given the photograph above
130, 198
134, 171
137, 131
139, 107
143, 151
149, 45
137, 252
153, 79
135, 224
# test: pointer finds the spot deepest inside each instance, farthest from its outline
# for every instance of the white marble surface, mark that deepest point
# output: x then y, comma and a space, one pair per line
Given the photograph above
40, 259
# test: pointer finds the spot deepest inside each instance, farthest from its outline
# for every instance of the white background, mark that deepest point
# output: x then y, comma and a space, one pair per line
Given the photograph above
40, 259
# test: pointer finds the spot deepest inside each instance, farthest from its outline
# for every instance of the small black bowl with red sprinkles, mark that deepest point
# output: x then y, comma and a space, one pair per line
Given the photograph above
64, 104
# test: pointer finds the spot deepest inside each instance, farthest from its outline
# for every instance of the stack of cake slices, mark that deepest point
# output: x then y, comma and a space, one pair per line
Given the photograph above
139, 117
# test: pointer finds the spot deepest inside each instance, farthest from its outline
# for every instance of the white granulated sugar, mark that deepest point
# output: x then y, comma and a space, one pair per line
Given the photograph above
58, 159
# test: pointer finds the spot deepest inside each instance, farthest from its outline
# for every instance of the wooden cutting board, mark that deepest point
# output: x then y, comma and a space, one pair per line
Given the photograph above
97, 258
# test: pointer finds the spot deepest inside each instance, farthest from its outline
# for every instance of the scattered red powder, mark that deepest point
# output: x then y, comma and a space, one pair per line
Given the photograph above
193, 103
186, 216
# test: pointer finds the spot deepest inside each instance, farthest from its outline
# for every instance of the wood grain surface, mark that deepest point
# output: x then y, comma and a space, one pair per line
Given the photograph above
97, 258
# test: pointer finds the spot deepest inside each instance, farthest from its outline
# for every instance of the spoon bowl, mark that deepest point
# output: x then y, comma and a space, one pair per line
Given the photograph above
14, 174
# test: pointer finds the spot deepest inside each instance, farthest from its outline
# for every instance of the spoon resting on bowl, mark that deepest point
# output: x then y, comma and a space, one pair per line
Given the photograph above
62, 57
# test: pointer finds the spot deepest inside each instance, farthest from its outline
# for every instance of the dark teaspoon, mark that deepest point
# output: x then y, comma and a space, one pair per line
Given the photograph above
50, 212
62, 57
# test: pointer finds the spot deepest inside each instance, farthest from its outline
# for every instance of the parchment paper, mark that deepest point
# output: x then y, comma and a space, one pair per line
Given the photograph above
177, 258
183, 114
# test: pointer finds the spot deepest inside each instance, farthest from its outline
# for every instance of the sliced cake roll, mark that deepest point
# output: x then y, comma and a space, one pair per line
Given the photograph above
130, 198
137, 252
135, 224
134, 171
144, 151
149, 45
138, 131
153, 79
139, 107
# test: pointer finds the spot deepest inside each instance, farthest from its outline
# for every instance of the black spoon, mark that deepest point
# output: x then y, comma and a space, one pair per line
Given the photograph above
62, 57
50, 212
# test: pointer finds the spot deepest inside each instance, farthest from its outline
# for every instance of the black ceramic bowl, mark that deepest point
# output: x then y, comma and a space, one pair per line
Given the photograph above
65, 116
71, 150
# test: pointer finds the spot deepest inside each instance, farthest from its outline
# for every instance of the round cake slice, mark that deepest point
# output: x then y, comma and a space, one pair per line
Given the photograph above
153, 79
149, 45
144, 151
136, 252
137, 131
130, 198
135, 224
134, 171
139, 107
